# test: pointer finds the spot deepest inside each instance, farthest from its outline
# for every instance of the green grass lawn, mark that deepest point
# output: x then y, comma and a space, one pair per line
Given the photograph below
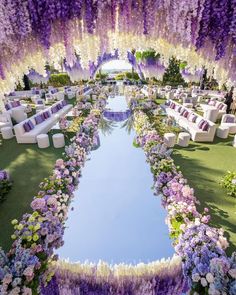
27, 165
204, 164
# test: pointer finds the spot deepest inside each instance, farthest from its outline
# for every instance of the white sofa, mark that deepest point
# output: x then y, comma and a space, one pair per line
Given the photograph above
31, 137
229, 121
196, 133
5, 120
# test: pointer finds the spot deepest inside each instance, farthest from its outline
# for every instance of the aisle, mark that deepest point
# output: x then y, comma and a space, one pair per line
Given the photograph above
116, 218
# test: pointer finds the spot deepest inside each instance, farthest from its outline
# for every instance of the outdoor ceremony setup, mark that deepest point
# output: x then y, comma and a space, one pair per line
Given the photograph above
117, 181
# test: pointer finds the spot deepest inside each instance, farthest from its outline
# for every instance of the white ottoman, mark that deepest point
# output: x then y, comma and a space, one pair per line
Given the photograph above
183, 139
222, 132
169, 139
234, 142
43, 141
58, 140
7, 132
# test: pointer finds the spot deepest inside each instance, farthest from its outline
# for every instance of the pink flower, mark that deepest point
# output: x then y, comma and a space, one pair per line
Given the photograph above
59, 162
232, 272
7, 279
38, 204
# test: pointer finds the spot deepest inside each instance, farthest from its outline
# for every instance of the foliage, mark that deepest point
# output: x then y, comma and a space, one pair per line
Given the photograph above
59, 80
229, 183
5, 184
148, 54
101, 76
172, 74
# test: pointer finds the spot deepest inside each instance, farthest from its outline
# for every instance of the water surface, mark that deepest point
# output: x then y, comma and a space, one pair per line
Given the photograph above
116, 217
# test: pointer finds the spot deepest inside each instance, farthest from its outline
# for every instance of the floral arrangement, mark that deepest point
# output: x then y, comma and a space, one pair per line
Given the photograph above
202, 33
5, 184
38, 233
160, 277
197, 243
229, 183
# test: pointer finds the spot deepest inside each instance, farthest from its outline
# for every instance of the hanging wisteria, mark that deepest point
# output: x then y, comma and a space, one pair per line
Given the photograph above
33, 32
36, 78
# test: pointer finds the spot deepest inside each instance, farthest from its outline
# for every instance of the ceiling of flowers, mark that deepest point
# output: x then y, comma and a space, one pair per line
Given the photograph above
32, 32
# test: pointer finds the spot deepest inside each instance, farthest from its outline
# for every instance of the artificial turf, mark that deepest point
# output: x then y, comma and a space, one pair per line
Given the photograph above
204, 164
28, 166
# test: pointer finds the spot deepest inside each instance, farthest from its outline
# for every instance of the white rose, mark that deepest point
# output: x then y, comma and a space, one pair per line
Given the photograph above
203, 282
196, 277
210, 278
232, 272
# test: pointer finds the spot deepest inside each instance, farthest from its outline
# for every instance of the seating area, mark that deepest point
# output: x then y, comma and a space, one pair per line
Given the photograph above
200, 129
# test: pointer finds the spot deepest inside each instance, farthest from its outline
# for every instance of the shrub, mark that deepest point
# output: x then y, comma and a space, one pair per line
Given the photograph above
59, 80
5, 184
229, 183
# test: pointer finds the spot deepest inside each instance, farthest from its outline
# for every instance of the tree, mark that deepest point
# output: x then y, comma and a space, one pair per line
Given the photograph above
172, 75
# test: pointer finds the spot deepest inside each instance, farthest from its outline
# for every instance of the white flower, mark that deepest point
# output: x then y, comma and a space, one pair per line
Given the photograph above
232, 272
210, 278
197, 221
203, 282
196, 277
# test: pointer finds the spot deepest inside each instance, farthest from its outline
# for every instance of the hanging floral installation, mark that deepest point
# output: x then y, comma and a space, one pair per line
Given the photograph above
150, 64
36, 78
33, 32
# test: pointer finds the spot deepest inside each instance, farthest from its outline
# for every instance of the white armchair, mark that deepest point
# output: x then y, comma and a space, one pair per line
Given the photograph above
39, 105
187, 102
230, 122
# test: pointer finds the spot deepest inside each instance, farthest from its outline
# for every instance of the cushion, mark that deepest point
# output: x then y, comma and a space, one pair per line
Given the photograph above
172, 105
14, 104
31, 125
185, 114
212, 102
192, 117
200, 124
26, 127
54, 109
220, 106
64, 103
230, 120
46, 115
58, 106
7, 106
205, 126
39, 119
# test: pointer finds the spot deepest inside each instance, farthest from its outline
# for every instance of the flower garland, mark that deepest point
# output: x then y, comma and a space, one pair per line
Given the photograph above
39, 233
206, 267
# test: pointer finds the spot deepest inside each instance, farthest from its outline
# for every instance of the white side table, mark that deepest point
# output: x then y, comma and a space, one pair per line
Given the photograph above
222, 132
183, 139
169, 139
58, 140
43, 141
7, 133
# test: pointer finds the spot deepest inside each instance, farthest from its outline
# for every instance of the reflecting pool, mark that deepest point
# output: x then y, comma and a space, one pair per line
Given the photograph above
116, 217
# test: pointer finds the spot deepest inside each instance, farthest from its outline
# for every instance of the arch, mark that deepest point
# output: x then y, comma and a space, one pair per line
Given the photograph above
107, 57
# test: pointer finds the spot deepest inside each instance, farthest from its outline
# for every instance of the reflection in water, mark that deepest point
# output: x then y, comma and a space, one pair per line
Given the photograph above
116, 218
